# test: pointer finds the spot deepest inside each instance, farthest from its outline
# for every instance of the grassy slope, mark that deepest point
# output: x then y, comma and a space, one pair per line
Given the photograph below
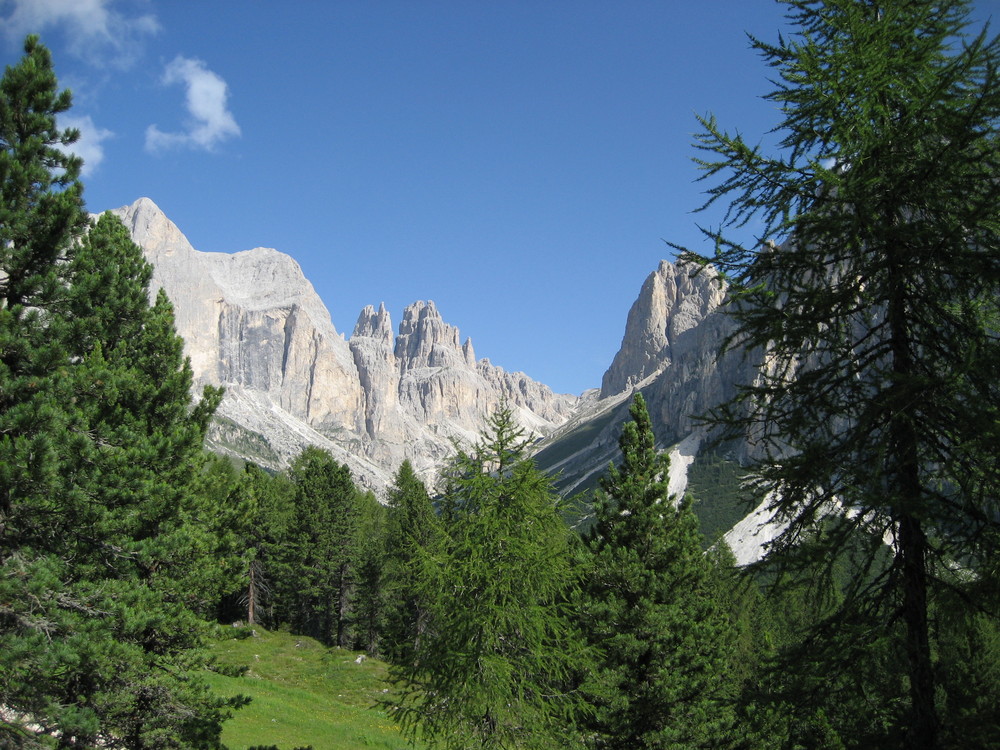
304, 694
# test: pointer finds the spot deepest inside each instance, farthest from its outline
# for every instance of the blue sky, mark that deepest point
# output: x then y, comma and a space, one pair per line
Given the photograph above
518, 162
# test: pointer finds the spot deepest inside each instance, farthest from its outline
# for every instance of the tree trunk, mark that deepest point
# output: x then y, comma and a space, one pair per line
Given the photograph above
252, 593
912, 555
342, 606
907, 499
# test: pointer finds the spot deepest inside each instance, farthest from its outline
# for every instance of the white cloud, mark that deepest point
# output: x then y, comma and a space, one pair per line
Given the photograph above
211, 121
94, 31
88, 147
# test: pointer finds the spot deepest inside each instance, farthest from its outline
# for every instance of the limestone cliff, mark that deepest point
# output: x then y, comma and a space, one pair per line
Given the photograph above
253, 323
672, 302
252, 320
671, 352
426, 388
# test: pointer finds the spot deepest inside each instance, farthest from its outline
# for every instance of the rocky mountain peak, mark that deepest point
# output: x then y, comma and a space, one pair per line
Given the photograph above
253, 323
674, 299
375, 324
152, 230
425, 340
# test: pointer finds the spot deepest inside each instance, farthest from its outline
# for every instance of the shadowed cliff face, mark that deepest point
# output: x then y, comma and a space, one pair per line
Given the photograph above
254, 324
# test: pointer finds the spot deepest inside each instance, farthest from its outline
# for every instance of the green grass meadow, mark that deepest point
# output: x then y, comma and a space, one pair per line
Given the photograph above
304, 694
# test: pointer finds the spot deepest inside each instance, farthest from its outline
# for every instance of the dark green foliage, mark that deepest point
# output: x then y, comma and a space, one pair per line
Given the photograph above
650, 607
492, 668
105, 549
878, 402
266, 510
318, 553
411, 530
714, 484
969, 660
40, 213
42, 206
370, 598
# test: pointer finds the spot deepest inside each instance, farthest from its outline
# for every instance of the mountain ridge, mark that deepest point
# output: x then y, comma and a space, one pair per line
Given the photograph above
254, 324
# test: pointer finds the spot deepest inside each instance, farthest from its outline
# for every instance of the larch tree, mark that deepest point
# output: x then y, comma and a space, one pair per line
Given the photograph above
649, 608
494, 666
875, 415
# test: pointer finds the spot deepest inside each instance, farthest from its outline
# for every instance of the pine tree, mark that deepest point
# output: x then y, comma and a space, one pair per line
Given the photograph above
649, 607
493, 667
411, 529
99, 441
876, 416
41, 211
318, 571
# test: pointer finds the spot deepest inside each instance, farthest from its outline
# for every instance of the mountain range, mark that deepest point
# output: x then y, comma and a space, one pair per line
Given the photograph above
254, 324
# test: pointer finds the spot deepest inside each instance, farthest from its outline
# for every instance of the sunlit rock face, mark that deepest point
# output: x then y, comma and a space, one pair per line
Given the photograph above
672, 301
254, 324
252, 320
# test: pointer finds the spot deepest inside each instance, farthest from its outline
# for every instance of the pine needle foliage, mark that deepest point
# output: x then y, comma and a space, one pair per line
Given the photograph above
493, 667
876, 413
104, 553
650, 609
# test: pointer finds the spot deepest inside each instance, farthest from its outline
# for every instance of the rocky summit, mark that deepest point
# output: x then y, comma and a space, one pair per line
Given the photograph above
673, 302
254, 324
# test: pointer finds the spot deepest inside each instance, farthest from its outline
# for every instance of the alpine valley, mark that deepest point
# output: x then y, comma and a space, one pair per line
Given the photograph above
254, 324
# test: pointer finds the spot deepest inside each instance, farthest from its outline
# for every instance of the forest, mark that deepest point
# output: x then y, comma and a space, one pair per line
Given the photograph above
869, 297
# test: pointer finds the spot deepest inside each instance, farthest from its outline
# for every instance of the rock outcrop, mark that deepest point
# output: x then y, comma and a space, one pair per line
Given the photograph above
672, 302
254, 324
671, 352
426, 388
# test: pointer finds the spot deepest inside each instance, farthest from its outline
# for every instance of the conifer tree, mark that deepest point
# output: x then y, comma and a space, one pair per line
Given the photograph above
369, 606
41, 211
99, 440
493, 667
262, 528
318, 564
876, 414
411, 529
649, 607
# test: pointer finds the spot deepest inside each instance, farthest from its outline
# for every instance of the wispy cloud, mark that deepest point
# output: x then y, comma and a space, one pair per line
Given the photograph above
89, 146
94, 30
210, 119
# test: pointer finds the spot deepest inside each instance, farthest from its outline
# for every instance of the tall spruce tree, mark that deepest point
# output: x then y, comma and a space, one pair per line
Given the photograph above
649, 607
262, 530
370, 601
318, 565
876, 415
493, 667
411, 529
98, 442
